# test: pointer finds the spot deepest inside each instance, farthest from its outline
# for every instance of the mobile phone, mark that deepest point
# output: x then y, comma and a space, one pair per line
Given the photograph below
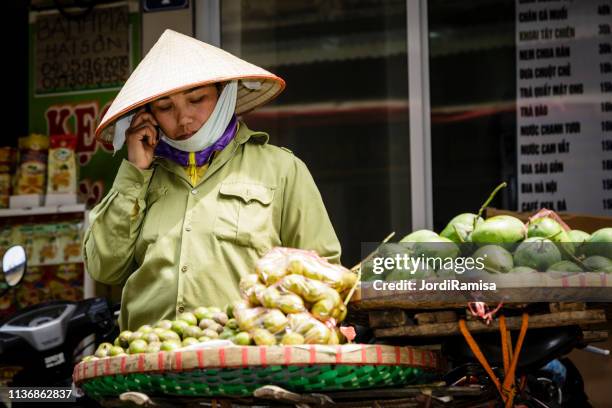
148, 110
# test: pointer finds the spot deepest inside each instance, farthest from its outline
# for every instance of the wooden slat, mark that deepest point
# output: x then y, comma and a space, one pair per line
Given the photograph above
513, 323
445, 316
567, 307
388, 318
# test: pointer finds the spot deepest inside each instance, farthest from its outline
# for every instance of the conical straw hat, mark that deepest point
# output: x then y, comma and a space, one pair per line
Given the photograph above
178, 62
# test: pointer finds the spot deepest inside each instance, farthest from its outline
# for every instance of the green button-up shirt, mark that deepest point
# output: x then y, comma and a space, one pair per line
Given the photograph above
176, 246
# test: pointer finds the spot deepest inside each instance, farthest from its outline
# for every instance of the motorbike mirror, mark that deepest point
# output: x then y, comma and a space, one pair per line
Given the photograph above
14, 265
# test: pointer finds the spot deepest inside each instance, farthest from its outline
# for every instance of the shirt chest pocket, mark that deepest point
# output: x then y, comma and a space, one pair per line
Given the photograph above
245, 215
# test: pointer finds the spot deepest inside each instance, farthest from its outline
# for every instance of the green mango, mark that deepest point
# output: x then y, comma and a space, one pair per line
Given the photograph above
578, 238
537, 253
546, 227
499, 230
597, 263
564, 266
423, 235
599, 243
496, 259
438, 247
522, 269
460, 228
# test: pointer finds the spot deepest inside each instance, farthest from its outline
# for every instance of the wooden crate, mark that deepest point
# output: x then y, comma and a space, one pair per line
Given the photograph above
421, 325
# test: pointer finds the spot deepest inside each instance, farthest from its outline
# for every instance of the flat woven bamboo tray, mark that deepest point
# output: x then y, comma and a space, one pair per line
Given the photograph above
239, 370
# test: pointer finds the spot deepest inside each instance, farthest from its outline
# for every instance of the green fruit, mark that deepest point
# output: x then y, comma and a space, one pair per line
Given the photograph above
420, 236
292, 339
578, 238
262, 337
116, 351
169, 335
548, 228
232, 324
214, 309
226, 334
138, 346
203, 339
501, 229
192, 331
158, 331
170, 345
495, 258
151, 338
188, 341
220, 318
201, 312
423, 271
145, 328
229, 310
242, 339
188, 317
216, 327
135, 336
206, 323
117, 342
598, 263
437, 248
544, 228
564, 266
153, 347
522, 269
599, 243
178, 326
537, 253
164, 324
210, 333
459, 229
89, 358
103, 350
124, 338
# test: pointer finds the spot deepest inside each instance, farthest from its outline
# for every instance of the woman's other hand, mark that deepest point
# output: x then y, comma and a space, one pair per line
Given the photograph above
142, 137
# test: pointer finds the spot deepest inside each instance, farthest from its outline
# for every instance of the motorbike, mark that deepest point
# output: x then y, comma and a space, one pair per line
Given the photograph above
545, 377
46, 340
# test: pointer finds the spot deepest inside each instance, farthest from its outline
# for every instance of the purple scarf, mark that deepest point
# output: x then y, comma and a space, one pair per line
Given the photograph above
163, 149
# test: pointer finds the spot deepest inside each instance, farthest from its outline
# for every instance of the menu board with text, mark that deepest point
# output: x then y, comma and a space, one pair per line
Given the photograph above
564, 105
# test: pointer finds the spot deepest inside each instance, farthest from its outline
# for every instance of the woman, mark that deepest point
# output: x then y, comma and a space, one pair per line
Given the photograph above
201, 196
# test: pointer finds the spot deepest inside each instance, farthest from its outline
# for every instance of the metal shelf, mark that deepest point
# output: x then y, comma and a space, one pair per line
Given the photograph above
54, 209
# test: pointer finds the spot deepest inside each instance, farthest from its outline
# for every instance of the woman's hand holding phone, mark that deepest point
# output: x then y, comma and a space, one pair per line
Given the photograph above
142, 136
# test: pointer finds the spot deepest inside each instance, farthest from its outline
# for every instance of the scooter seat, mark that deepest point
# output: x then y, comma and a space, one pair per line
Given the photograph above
539, 347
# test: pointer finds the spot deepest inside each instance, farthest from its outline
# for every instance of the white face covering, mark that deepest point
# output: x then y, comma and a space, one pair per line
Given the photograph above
206, 136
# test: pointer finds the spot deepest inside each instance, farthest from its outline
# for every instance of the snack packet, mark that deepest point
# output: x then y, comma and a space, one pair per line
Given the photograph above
62, 169
32, 165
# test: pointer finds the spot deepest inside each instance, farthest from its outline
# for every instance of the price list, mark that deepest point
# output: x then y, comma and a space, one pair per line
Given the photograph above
564, 105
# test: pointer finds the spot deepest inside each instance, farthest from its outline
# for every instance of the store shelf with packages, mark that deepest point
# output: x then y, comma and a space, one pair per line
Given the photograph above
52, 236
